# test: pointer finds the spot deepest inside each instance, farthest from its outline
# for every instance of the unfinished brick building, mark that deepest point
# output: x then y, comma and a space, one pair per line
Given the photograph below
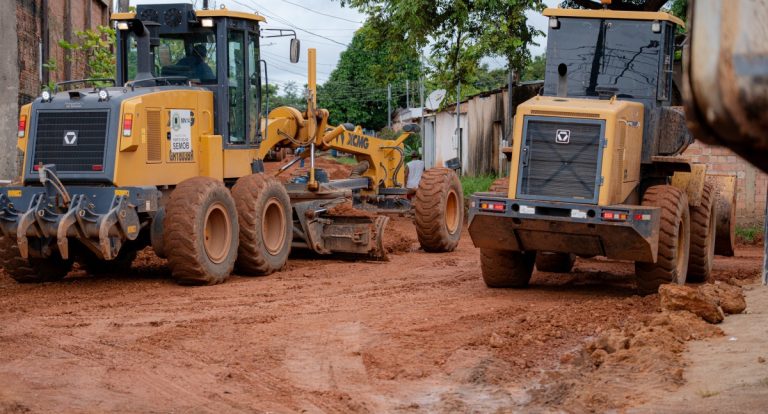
40, 25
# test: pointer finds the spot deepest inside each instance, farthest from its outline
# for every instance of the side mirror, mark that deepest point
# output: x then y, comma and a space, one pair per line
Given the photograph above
295, 50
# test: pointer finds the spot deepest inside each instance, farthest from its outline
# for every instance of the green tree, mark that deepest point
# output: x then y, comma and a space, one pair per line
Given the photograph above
459, 32
535, 69
96, 47
356, 91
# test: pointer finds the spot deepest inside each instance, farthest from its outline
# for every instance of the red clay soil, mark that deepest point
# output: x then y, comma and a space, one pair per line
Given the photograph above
335, 170
419, 333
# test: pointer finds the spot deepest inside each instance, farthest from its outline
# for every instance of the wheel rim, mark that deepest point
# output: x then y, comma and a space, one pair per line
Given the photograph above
217, 233
273, 226
452, 217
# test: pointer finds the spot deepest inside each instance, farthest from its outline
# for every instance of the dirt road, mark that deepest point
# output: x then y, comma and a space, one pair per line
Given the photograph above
418, 333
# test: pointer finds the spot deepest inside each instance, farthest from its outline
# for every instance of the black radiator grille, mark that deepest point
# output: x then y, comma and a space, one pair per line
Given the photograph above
564, 170
85, 151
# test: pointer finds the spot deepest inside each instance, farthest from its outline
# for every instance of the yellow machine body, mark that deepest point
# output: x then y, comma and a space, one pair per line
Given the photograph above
623, 140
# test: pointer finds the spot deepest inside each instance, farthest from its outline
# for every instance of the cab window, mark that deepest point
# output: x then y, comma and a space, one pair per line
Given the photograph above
237, 89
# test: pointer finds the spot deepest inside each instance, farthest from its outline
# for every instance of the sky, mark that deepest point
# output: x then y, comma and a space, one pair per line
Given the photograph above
320, 24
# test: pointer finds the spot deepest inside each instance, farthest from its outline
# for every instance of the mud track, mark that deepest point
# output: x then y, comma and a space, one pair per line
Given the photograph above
418, 333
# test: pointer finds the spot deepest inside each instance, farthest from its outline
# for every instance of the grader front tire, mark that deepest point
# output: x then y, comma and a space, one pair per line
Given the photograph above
266, 224
674, 240
201, 232
23, 270
439, 210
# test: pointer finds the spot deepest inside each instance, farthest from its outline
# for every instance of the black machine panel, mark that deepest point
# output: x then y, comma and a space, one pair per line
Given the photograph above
560, 159
172, 18
74, 142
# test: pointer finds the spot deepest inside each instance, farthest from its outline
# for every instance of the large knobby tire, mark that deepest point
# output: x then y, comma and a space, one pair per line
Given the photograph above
200, 232
33, 270
266, 224
554, 262
439, 210
500, 185
703, 234
674, 240
506, 269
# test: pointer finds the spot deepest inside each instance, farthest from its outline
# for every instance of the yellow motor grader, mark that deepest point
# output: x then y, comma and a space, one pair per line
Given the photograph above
170, 155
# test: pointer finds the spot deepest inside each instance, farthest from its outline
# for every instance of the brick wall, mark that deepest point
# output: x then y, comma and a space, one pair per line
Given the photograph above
29, 15
752, 184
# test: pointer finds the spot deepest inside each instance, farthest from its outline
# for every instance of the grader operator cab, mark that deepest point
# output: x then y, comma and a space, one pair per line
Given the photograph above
170, 155
595, 163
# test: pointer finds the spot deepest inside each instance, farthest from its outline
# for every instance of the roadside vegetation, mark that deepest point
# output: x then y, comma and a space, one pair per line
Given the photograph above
479, 184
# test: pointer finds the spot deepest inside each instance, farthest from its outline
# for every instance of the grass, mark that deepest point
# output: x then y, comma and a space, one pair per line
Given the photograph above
707, 393
472, 185
749, 234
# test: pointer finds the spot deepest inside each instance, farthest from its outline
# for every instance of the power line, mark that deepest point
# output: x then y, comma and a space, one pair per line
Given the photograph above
275, 16
321, 13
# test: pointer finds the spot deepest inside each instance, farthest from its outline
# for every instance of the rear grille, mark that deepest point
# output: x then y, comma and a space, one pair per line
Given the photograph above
565, 171
84, 131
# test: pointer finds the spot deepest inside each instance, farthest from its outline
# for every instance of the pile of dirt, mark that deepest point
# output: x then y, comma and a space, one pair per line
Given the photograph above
335, 170
617, 368
399, 237
349, 210
710, 302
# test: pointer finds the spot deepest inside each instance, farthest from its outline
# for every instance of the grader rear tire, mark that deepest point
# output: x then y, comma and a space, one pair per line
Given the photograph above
674, 240
22, 270
266, 224
439, 210
505, 269
201, 232
703, 231
554, 262
500, 185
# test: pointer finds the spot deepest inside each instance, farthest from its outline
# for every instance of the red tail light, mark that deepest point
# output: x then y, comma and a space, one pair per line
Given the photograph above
97, 167
615, 216
22, 126
127, 125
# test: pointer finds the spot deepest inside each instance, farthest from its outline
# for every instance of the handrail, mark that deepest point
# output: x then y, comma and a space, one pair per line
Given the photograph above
72, 82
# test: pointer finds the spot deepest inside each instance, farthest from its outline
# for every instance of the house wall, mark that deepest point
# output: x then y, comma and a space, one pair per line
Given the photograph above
9, 91
751, 184
29, 28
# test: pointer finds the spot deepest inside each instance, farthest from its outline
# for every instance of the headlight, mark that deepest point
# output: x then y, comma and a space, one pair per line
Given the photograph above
46, 96
103, 95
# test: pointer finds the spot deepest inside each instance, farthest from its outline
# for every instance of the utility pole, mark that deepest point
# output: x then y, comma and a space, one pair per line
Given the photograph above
421, 104
389, 106
458, 121
407, 93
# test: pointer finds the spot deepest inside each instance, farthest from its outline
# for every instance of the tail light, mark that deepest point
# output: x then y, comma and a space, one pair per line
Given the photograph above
615, 215
97, 167
493, 206
22, 126
127, 125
